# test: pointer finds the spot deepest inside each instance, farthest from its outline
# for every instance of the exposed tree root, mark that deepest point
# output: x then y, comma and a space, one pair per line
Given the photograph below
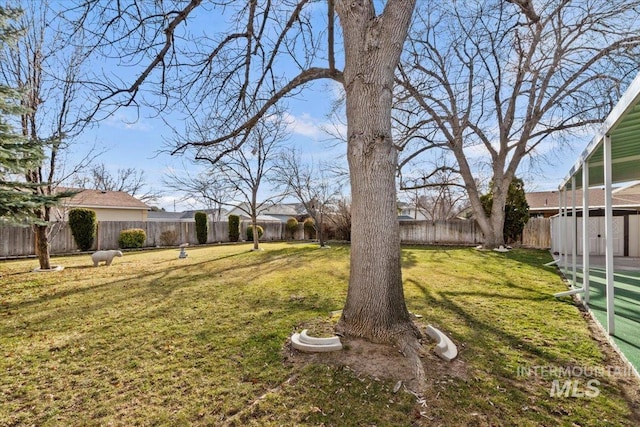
411, 348
407, 340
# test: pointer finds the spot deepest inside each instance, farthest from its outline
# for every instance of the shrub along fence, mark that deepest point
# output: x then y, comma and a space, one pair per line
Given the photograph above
19, 241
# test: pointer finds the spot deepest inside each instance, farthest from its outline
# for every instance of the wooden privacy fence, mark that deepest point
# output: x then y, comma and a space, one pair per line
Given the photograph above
537, 233
19, 241
456, 231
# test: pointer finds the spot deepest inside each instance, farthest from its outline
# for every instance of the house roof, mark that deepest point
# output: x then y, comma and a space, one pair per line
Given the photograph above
191, 213
290, 209
168, 216
261, 218
633, 188
103, 199
548, 200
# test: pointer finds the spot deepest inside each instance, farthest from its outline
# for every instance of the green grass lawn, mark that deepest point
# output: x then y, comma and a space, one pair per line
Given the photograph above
157, 340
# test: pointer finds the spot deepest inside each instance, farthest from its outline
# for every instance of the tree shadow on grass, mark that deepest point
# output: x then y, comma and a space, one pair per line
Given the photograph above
163, 282
491, 342
484, 331
409, 258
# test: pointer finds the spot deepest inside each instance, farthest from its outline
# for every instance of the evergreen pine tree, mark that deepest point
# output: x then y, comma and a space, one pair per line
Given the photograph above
18, 200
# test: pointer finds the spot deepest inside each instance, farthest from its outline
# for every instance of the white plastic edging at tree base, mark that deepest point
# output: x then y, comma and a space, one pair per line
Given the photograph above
305, 338
445, 348
316, 347
48, 270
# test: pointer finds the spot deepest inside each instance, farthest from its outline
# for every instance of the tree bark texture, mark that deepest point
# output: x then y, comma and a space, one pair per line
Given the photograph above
42, 246
375, 308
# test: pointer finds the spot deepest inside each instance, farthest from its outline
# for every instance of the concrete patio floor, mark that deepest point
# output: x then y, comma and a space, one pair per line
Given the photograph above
626, 301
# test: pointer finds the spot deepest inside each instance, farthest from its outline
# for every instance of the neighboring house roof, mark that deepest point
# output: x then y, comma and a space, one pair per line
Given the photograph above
103, 199
186, 216
284, 209
541, 201
633, 188
165, 216
213, 212
266, 213
260, 218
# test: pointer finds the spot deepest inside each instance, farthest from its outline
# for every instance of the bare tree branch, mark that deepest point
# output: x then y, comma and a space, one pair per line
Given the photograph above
486, 79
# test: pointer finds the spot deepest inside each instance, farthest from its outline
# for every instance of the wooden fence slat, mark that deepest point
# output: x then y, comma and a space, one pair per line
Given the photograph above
537, 233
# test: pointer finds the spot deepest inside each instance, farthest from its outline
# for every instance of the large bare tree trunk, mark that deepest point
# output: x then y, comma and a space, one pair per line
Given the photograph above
491, 225
375, 308
494, 237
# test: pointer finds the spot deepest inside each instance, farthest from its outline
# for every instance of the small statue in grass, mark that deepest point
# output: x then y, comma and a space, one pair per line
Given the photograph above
106, 256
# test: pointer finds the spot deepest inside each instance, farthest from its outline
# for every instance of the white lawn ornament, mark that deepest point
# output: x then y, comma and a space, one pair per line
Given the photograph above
183, 251
106, 256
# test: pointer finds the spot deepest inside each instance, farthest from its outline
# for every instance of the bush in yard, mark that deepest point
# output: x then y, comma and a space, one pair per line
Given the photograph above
168, 238
83, 224
292, 227
309, 228
202, 227
132, 238
250, 232
234, 228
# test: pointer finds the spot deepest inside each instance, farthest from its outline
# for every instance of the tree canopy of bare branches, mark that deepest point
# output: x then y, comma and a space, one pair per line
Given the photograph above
129, 180
200, 188
491, 83
242, 172
310, 186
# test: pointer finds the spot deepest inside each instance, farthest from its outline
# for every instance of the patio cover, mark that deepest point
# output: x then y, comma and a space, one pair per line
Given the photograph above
612, 156
623, 126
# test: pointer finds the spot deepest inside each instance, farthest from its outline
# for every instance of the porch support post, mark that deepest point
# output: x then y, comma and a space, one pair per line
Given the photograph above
565, 229
586, 242
608, 219
574, 229
559, 230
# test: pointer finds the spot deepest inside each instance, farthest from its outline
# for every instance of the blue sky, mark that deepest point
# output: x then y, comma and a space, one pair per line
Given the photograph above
140, 143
